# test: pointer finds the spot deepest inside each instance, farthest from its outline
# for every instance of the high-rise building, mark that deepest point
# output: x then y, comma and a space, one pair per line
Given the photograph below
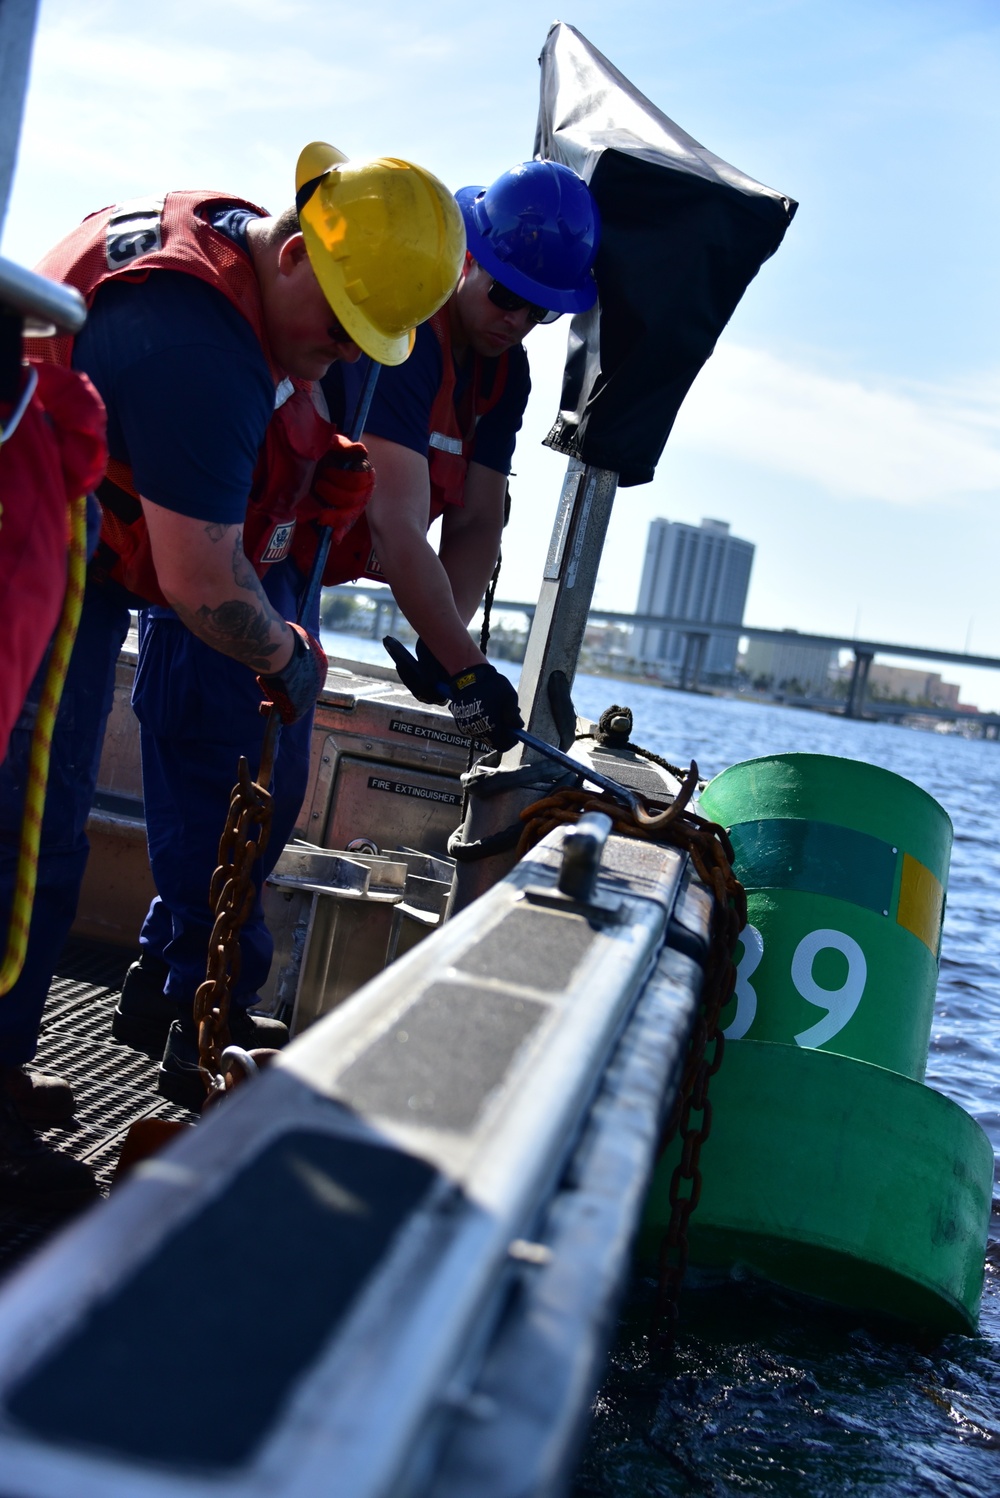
699, 574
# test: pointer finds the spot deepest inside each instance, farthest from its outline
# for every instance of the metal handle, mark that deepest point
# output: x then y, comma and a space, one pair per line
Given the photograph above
311, 592
354, 432
581, 860
45, 301
620, 792
585, 772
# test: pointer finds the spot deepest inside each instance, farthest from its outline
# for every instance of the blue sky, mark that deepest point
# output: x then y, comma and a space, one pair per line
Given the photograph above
849, 422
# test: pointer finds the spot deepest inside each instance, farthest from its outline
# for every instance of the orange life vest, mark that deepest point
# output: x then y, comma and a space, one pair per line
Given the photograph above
450, 446
56, 453
126, 243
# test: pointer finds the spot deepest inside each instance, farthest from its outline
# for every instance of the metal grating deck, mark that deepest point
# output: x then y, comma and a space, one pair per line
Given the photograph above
114, 1085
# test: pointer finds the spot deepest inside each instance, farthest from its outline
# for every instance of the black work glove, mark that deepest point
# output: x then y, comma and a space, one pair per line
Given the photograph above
294, 688
422, 675
484, 706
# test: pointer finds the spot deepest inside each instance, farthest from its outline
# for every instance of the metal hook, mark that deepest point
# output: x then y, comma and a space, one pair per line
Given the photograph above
620, 792
236, 1053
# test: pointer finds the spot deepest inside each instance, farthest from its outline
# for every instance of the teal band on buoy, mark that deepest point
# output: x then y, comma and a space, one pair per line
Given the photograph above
819, 858
822, 858
844, 865
829, 1168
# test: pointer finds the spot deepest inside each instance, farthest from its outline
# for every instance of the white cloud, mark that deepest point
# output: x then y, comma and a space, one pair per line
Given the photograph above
856, 441
149, 74
226, 97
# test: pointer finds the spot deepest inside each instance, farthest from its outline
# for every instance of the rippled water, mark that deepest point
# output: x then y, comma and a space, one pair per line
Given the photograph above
767, 1392
770, 1393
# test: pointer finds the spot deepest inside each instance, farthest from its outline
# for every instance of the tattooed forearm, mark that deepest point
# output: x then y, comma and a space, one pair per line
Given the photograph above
238, 629
248, 629
240, 621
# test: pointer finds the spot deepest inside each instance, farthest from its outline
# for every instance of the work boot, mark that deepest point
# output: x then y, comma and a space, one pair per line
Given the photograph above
144, 1014
42, 1099
179, 1077
32, 1174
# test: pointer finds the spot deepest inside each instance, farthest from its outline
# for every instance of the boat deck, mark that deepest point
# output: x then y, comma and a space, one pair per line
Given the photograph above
114, 1085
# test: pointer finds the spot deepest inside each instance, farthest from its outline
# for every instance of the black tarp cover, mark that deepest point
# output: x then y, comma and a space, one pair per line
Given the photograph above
683, 234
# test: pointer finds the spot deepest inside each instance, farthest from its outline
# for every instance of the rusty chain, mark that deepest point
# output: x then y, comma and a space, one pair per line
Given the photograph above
691, 1118
231, 896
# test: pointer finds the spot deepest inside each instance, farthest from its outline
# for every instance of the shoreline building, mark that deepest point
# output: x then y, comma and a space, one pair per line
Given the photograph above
787, 666
698, 574
901, 683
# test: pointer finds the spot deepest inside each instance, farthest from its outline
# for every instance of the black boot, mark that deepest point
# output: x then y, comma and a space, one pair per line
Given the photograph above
32, 1174
179, 1078
42, 1099
144, 1014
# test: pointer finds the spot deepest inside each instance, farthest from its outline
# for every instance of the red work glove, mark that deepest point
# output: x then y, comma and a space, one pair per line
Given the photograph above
294, 688
341, 487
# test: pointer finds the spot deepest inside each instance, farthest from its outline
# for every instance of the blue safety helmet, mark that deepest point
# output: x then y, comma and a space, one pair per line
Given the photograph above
536, 230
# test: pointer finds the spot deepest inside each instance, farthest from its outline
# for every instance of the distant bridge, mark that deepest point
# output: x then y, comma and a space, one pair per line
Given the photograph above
697, 634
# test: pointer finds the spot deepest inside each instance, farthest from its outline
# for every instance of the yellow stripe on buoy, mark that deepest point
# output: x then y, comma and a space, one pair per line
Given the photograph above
41, 748
921, 902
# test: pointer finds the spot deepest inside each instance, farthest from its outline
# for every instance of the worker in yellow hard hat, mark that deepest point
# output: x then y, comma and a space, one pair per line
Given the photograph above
209, 322
442, 430
386, 242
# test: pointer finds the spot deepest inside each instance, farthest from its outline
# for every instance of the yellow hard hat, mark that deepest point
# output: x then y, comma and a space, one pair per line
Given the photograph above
386, 241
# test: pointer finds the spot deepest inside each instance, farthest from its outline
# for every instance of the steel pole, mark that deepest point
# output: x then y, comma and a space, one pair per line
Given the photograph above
859, 683
17, 30
567, 591
554, 642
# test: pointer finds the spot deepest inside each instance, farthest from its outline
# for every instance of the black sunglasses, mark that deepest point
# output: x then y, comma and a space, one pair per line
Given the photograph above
337, 333
508, 301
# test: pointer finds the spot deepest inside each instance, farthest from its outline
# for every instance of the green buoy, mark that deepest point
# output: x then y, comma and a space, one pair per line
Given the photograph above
830, 1167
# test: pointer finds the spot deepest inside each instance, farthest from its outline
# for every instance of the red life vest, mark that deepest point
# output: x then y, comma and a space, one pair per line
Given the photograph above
54, 455
125, 243
450, 445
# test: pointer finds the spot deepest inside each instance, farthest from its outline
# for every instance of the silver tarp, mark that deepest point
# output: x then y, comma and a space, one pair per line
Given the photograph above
683, 234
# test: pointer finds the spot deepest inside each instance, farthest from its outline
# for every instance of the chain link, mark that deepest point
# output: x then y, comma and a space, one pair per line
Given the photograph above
711, 853
232, 894
692, 1115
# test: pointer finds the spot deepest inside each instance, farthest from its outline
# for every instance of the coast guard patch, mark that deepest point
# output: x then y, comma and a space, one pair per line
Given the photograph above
280, 543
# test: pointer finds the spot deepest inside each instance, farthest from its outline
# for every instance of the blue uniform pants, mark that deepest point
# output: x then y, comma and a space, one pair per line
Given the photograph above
199, 711
76, 752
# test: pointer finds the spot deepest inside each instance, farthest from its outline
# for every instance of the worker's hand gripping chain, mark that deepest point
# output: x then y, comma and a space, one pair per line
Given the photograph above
232, 891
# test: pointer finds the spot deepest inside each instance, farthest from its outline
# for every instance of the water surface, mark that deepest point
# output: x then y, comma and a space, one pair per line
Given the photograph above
767, 1392
771, 1393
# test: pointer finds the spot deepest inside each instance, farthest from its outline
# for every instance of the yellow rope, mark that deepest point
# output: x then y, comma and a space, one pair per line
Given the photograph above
41, 745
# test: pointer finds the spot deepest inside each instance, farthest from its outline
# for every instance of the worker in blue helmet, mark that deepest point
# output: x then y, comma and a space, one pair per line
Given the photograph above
442, 428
